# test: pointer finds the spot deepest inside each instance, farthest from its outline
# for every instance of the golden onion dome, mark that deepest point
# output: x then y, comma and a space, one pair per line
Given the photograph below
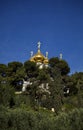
38, 57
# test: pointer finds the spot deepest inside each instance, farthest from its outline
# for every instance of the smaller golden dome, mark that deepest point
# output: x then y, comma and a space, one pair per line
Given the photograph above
32, 59
46, 61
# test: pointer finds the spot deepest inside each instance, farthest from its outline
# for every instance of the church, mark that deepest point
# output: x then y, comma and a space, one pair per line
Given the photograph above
41, 61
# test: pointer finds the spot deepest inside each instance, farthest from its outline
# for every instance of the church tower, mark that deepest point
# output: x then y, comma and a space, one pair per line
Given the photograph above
39, 58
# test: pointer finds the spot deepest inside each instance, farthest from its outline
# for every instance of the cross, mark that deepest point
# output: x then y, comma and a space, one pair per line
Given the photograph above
46, 54
39, 45
31, 53
61, 56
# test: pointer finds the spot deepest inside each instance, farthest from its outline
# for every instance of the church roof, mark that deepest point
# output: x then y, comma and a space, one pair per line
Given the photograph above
39, 57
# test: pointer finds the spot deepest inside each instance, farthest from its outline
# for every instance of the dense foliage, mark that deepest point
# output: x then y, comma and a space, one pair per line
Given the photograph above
50, 87
62, 65
20, 119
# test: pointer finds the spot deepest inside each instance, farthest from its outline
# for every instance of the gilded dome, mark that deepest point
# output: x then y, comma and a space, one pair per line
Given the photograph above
39, 57
46, 61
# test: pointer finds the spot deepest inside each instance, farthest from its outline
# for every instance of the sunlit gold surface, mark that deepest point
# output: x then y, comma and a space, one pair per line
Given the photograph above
39, 57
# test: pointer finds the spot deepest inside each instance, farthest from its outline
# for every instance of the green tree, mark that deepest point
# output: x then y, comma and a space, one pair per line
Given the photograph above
80, 94
14, 66
16, 73
43, 75
62, 65
31, 69
3, 70
56, 89
69, 84
76, 77
6, 94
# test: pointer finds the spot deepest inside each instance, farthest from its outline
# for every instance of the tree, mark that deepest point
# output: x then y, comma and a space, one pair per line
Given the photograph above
3, 70
73, 80
76, 77
6, 94
80, 94
62, 65
16, 73
56, 89
43, 75
31, 69
14, 66
69, 85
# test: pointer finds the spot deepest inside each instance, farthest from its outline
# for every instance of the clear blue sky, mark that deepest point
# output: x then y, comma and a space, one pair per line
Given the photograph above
57, 24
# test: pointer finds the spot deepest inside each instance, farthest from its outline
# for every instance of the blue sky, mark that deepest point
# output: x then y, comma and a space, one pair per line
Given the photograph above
57, 24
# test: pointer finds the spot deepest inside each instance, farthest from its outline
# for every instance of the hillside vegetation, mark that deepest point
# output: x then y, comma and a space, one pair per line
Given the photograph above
32, 110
